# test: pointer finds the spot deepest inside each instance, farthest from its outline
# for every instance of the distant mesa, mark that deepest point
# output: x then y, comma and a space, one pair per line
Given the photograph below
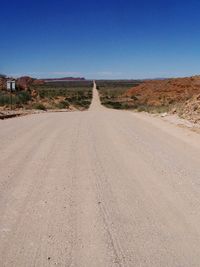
64, 79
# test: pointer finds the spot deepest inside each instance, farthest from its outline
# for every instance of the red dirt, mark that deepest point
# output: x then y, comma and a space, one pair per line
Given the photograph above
165, 92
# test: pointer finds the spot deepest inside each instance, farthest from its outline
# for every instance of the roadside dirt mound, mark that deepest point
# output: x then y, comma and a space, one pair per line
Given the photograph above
191, 109
165, 92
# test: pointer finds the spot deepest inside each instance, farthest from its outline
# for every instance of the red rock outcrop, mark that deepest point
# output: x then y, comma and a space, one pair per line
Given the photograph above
24, 83
2, 83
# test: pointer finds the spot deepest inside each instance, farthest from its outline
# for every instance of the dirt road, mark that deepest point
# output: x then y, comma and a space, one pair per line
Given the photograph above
98, 188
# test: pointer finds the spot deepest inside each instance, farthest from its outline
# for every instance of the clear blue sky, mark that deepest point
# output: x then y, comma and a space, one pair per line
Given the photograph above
100, 39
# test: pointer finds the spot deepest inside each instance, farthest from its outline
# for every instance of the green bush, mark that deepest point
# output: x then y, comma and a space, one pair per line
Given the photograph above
23, 97
81, 103
4, 99
39, 106
62, 104
142, 108
17, 98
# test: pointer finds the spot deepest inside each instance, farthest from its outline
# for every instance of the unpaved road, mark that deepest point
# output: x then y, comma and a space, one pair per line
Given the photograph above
98, 188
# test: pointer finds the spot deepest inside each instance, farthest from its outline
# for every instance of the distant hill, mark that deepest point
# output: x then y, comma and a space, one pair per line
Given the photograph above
165, 92
63, 79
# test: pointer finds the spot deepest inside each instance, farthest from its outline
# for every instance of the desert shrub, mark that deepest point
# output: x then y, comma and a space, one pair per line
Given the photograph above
4, 99
17, 98
153, 109
142, 108
81, 103
125, 106
160, 109
23, 97
116, 105
39, 106
112, 104
62, 104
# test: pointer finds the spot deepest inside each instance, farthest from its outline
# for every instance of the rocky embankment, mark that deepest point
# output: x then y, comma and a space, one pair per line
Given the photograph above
180, 95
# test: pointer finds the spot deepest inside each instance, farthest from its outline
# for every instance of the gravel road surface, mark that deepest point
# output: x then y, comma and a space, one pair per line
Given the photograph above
98, 188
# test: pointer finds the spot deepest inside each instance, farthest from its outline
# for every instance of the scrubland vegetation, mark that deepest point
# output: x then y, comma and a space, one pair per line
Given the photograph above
50, 95
112, 93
